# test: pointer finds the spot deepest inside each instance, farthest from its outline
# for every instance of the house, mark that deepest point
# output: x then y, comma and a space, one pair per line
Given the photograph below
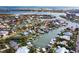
3, 33
70, 15
38, 50
43, 49
56, 23
2, 26
29, 44
65, 37
26, 33
30, 31
68, 34
23, 49
14, 44
64, 43
61, 50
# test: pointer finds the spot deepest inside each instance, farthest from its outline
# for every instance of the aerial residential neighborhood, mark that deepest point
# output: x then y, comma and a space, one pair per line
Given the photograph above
39, 29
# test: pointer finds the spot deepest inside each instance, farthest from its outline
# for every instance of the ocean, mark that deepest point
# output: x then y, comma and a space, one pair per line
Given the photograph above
15, 9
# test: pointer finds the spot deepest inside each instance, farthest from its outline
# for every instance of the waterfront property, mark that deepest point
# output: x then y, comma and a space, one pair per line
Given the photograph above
39, 30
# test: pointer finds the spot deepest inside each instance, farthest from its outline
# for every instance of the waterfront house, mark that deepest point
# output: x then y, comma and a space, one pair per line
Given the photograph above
23, 49
65, 37
61, 50
63, 43
68, 33
43, 49
29, 44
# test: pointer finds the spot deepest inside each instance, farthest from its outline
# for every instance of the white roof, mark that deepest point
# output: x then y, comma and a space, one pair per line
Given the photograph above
65, 37
25, 33
28, 43
23, 49
43, 49
63, 42
57, 23
62, 50
3, 32
68, 33
77, 14
30, 31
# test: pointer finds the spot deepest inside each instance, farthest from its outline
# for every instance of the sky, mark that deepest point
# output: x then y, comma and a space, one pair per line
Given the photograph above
39, 3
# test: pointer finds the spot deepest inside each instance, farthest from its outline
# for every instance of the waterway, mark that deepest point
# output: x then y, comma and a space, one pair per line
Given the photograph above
44, 39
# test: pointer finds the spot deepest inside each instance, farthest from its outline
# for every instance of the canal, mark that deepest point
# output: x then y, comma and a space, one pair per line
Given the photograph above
44, 39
